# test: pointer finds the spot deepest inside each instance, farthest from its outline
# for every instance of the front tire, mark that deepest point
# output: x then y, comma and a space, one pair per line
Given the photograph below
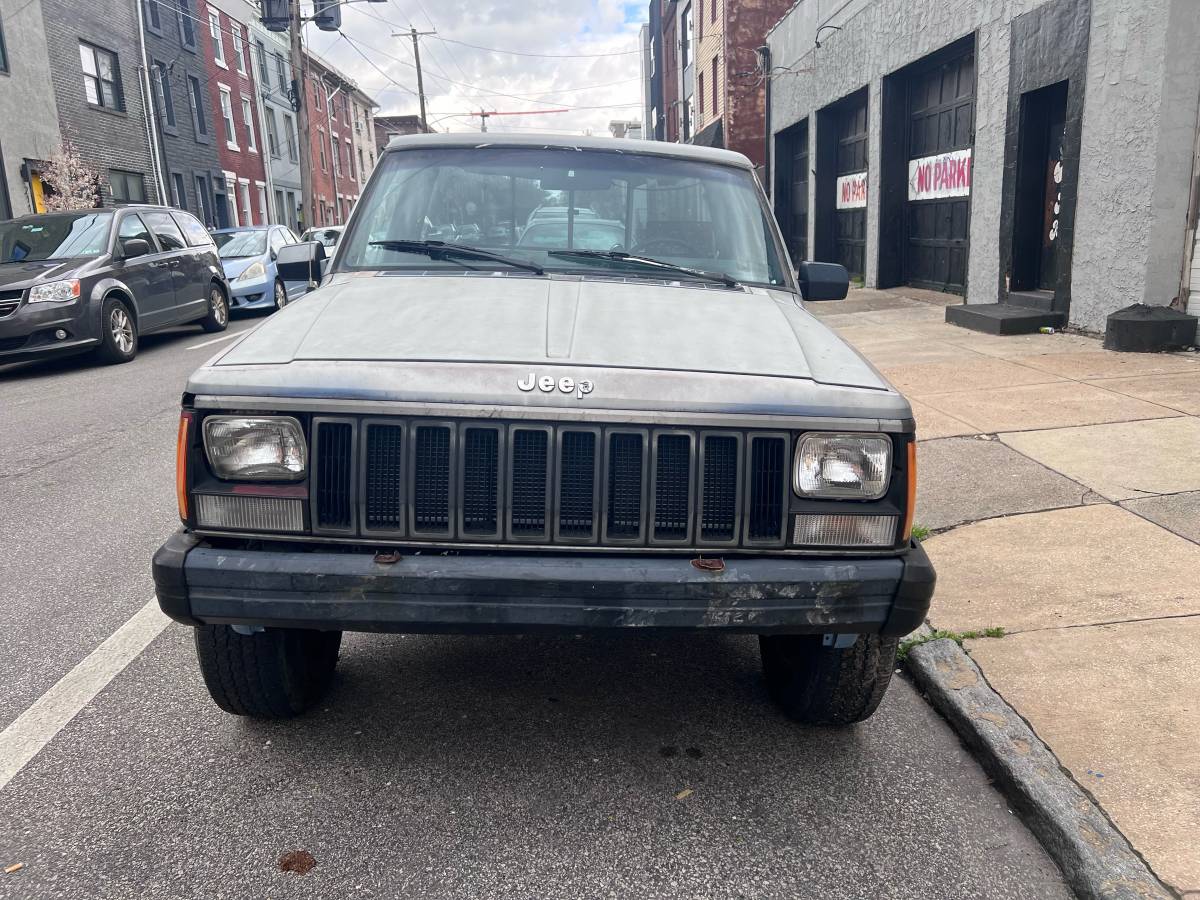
217, 318
273, 674
281, 297
821, 685
118, 332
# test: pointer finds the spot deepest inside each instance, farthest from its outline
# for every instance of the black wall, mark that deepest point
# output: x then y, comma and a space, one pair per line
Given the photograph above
1048, 45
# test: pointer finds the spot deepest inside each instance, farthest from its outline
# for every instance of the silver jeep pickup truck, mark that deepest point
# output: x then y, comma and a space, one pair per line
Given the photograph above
547, 384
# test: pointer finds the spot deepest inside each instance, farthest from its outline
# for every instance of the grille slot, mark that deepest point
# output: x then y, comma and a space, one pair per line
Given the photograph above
480, 480
577, 484
335, 456
672, 487
530, 458
719, 508
385, 467
9, 301
431, 479
766, 488
624, 487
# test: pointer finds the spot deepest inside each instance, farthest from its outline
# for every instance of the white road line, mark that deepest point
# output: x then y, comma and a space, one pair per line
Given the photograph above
36, 727
217, 340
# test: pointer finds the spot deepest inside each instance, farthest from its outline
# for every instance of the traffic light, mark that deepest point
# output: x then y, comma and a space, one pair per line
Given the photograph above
276, 15
327, 14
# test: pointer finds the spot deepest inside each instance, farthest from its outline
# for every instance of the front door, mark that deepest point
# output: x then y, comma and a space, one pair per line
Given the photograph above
1039, 189
148, 277
191, 289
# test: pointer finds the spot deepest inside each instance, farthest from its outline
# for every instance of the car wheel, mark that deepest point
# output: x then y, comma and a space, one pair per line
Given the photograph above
823, 685
281, 297
118, 332
273, 674
217, 317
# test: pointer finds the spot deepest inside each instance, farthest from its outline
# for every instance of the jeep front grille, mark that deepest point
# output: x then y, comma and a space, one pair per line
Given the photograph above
523, 483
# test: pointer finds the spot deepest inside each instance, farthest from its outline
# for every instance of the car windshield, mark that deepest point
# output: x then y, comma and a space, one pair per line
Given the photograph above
528, 202
56, 236
236, 244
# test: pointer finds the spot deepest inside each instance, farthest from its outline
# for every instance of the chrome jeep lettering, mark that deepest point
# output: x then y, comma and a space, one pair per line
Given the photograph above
527, 383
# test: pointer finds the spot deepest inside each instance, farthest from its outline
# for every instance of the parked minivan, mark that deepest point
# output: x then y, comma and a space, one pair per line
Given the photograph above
96, 279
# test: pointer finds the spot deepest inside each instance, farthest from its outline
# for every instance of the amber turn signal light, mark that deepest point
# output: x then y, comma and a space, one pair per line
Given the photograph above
912, 491
181, 448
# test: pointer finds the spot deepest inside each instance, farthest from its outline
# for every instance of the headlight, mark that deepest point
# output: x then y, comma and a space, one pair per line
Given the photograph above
267, 448
842, 466
253, 272
55, 291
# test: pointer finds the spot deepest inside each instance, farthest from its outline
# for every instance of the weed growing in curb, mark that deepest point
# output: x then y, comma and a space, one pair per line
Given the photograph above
919, 533
957, 636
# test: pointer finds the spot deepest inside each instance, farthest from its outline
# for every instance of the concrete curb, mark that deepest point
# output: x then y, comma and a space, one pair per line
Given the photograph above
1097, 860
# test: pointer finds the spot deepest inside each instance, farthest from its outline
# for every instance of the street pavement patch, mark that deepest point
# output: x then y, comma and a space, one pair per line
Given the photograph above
963, 479
1179, 513
1122, 460
1130, 739
1077, 566
1032, 406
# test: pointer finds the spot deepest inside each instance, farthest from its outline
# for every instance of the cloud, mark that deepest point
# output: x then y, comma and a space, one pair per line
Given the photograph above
596, 88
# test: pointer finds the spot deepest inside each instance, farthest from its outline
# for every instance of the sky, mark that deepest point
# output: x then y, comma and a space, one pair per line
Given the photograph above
588, 60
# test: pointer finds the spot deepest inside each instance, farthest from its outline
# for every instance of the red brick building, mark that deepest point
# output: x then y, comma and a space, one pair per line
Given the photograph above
232, 94
331, 124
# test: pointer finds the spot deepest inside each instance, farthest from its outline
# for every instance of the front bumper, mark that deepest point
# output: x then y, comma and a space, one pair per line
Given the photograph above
30, 331
251, 294
198, 583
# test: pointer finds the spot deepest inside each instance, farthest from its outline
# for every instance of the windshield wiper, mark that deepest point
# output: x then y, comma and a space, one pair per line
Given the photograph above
442, 250
621, 255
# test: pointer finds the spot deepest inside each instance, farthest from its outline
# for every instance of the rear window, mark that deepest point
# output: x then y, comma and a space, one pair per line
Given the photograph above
197, 235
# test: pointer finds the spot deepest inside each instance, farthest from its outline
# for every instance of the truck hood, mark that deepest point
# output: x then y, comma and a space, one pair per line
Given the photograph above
561, 321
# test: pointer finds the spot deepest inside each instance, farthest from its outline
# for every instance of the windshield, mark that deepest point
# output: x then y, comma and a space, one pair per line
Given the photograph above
234, 244
526, 202
61, 236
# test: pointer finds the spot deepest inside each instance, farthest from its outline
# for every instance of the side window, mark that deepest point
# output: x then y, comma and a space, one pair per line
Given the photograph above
197, 234
133, 228
276, 240
165, 230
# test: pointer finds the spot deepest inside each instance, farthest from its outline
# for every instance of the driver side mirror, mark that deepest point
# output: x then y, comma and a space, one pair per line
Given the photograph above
823, 281
134, 247
303, 262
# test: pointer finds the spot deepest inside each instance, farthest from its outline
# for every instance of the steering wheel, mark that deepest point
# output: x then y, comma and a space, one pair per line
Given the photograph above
665, 246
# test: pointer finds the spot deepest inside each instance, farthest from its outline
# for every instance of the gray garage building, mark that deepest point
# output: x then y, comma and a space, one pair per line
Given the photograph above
1036, 153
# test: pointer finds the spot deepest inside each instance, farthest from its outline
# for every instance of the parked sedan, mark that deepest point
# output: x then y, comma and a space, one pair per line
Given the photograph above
588, 234
248, 255
95, 279
328, 235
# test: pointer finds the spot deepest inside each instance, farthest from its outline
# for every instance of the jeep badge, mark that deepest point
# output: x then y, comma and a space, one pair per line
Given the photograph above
547, 384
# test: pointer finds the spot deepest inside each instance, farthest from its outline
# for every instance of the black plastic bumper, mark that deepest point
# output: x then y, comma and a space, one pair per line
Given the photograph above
497, 592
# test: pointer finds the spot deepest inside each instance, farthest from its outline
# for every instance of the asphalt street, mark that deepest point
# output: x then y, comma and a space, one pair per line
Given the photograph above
593, 766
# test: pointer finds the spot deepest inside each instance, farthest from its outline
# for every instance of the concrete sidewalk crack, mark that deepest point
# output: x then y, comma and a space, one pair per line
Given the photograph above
1008, 632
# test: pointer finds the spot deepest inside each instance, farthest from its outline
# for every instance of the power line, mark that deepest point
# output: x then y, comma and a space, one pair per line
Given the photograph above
540, 55
375, 67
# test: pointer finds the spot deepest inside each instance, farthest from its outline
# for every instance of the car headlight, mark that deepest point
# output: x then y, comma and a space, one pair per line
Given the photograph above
55, 291
263, 448
254, 272
842, 466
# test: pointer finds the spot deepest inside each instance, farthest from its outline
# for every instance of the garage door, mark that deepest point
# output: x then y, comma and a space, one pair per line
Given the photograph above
791, 189
941, 127
851, 240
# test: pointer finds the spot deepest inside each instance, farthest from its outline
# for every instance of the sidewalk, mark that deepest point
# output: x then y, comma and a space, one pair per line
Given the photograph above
1061, 483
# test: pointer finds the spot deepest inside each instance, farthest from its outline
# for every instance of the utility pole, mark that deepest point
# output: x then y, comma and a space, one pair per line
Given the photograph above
300, 100
414, 34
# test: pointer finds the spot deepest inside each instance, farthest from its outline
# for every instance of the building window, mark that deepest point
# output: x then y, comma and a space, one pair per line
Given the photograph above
178, 192
281, 71
264, 74
289, 124
244, 201
101, 77
349, 158
214, 29
701, 18
318, 90
712, 10
196, 99
261, 192
202, 202
700, 91
321, 144
716, 79
335, 152
187, 27
3, 51
248, 119
362, 169
127, 187
227, 117
281, 210
272, 132
162, 91
685, 38
239, 47
153, 17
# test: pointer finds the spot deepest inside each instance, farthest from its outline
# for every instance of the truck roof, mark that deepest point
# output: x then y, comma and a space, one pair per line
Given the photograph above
572, 142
